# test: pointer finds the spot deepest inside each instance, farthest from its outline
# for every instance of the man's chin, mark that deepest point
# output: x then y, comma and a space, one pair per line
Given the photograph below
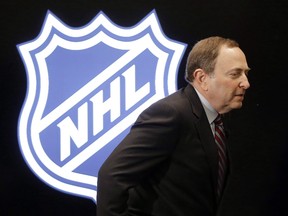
237, 105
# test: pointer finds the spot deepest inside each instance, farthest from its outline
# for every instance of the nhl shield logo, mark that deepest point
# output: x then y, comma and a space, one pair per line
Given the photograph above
86, 87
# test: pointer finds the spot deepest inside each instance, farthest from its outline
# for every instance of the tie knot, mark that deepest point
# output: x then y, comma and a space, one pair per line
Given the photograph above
218, 120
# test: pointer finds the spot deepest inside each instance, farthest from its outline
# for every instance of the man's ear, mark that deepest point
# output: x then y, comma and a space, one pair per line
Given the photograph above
200, 76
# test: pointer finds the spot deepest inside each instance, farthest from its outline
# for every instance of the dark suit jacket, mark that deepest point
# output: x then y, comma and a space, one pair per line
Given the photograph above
166, 165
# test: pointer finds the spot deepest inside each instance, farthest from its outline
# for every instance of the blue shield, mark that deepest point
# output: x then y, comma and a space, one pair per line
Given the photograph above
86, 87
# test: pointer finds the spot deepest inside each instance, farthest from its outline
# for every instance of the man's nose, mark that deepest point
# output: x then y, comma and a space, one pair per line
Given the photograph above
244, 82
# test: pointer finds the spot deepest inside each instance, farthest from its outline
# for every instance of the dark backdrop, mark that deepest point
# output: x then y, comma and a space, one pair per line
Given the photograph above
259, 185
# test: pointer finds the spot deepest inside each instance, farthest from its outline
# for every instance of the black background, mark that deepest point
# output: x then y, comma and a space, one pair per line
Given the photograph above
259, 185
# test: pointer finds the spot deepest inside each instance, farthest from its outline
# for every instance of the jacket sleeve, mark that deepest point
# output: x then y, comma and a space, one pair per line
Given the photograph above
149, 142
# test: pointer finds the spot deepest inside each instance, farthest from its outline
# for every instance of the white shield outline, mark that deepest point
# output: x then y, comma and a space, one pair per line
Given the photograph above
28, 147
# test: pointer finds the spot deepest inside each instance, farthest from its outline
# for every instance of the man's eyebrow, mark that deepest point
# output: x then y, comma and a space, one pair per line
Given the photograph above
246, 70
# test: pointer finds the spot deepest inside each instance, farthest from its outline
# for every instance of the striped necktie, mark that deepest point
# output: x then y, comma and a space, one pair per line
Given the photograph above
222, 155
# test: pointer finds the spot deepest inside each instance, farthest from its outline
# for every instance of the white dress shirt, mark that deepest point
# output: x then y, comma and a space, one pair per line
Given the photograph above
211, 113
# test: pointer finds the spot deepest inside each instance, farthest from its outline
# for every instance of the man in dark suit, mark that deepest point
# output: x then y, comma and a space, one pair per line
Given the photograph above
169, 163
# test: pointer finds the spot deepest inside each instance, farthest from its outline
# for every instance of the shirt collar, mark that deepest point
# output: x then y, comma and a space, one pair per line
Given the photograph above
211, 113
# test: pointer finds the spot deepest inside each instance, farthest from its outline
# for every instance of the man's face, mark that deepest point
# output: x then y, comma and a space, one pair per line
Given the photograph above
226, 88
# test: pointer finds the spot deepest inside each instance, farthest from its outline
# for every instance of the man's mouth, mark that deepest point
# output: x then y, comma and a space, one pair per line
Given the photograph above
241, 94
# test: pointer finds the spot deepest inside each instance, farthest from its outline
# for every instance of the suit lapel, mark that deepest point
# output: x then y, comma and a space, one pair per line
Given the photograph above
209, 146
205, 133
